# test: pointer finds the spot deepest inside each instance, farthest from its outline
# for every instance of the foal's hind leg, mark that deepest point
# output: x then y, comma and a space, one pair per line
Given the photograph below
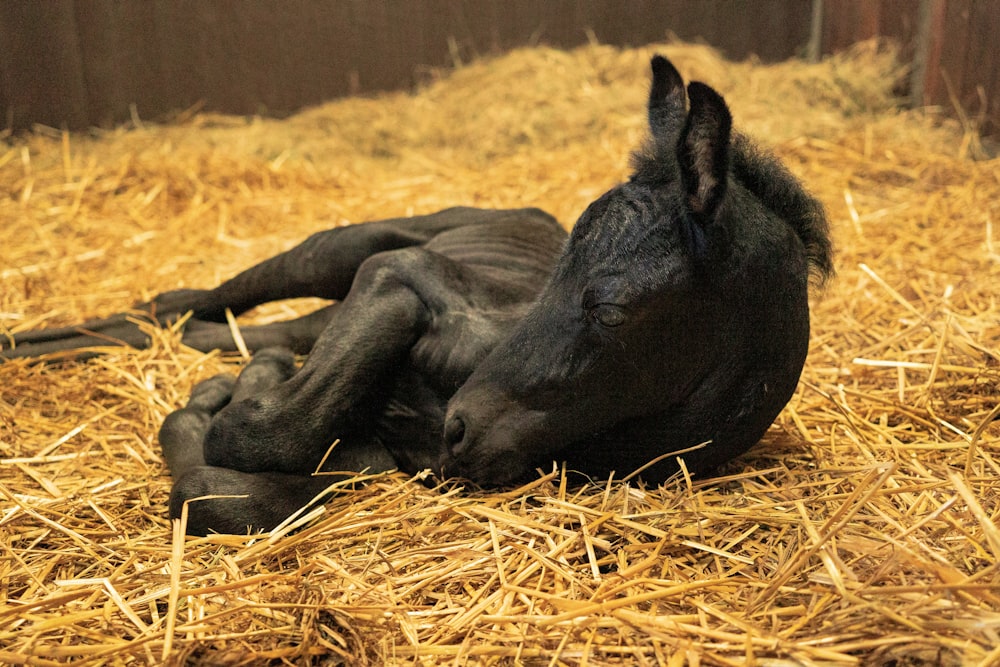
254, 501
298, 335
323, 266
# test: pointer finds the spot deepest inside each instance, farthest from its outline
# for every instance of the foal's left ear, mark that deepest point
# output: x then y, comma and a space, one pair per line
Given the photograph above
666, 101
703, 150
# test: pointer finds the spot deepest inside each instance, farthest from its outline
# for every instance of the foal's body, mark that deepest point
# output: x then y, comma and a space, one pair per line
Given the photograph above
483, 344
430, 297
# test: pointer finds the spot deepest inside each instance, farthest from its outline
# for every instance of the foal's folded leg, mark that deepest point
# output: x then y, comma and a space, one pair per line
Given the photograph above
297, 335
242, 501
336, 393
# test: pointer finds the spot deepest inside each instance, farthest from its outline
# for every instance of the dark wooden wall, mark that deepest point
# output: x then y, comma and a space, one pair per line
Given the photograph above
963, 62
953, 47
79, 63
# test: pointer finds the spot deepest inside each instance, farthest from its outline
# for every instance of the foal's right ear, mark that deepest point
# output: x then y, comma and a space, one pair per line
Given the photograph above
666, 102
703, 150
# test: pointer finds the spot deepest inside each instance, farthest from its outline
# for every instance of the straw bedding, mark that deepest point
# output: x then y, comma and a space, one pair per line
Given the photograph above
863, 530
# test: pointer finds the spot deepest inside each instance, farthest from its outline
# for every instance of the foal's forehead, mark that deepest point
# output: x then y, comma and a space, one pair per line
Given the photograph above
629, 236
628, 220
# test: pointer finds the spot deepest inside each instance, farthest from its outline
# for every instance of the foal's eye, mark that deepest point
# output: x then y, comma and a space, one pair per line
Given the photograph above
607, 314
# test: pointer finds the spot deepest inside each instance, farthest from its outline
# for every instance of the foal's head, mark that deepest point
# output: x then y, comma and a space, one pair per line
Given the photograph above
677, 314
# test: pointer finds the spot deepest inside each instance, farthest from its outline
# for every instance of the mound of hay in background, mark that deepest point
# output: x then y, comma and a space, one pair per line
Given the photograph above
863, 530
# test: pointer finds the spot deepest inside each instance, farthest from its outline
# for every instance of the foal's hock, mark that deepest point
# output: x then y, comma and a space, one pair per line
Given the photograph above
483, 344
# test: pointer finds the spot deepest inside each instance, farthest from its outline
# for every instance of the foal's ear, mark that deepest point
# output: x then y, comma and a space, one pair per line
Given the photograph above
666, 100
703, 150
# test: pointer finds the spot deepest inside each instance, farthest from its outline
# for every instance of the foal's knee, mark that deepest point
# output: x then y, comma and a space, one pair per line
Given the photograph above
244, 435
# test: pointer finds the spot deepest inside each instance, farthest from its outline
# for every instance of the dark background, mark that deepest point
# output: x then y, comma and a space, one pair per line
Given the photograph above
80, 63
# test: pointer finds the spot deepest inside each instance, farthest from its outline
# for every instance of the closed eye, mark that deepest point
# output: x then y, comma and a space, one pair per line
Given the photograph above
607, 314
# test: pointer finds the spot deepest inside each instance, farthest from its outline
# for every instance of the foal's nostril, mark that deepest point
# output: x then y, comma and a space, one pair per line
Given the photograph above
454, 433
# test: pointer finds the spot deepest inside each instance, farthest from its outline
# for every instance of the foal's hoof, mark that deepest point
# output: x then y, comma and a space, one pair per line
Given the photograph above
226, 421
182, 435
226, 501
213, 394
269, 367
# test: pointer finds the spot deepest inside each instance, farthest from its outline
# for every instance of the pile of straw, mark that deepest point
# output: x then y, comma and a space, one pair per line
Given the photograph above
863, 530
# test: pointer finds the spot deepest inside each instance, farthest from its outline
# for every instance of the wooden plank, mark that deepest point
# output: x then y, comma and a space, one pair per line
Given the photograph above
846, 22
40, 69
981, 77
953, 49
962, 61
931, 82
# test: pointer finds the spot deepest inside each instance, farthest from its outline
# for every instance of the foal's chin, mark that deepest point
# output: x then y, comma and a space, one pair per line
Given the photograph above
491, 460
488, 466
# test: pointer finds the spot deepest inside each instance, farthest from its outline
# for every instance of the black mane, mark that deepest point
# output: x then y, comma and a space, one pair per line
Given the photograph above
762, 174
